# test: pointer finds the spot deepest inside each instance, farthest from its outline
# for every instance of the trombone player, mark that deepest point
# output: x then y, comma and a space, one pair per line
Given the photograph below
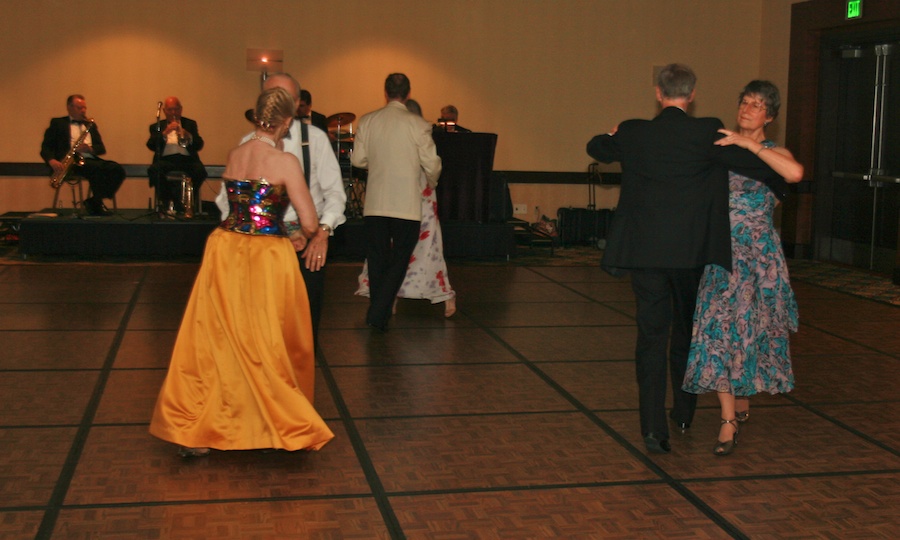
175, 142
104, 176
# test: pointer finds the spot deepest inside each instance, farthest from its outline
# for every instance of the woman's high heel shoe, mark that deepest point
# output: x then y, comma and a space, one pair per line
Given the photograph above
727, 447
742, 416
188, 452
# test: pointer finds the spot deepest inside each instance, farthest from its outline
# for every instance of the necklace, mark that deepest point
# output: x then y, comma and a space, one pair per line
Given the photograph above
264, 139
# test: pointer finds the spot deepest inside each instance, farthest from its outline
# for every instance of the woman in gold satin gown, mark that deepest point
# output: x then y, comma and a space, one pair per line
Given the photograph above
242, 372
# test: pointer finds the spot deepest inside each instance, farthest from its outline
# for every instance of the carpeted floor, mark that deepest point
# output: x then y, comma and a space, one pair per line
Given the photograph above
847, 279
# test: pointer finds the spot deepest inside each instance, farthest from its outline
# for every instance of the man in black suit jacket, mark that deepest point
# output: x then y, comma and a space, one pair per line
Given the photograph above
175, 142
306, 114
448, 121
104, 176
671, 221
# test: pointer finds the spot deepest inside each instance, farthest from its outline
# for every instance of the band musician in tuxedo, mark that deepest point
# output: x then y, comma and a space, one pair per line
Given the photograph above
306, 114
105, 177
175, 141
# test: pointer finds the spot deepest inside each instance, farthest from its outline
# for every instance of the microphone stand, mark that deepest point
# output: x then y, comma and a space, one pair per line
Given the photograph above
155, 166
157, 158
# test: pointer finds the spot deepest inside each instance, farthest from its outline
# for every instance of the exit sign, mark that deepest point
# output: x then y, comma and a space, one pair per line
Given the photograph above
854, 9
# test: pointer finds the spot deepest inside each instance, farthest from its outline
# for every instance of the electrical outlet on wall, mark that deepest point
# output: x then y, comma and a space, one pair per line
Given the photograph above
520, 209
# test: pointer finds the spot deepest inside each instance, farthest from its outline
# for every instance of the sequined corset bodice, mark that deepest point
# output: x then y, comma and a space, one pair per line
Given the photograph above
255, 207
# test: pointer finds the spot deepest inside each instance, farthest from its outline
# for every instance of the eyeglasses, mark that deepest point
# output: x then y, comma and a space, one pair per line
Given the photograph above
755, 106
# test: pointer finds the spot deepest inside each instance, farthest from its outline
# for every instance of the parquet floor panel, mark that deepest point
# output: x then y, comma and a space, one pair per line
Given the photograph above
112, 292
879, 335
496, 451
41, 398
445, 389
166, 292
156, 316
836, 307
407, 346
596, 385
530, 313
608, 512
879, 421
411, 314
20, 525
349, 518
34, 349
146, 349
575, 274
847, 507
815, 341
125, 465
605, 291
518, 291
129, 396
491, 276
548, 343
30, 465
824, 379
61, 316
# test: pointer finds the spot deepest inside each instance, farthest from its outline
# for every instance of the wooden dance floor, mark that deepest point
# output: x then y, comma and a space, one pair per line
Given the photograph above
514, 419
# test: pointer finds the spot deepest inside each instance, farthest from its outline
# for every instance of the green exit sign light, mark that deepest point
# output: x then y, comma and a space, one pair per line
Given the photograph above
854, 9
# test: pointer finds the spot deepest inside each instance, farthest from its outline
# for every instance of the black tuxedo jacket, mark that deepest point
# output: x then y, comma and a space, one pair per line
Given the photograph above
319, 120
673, 205
58, 140
158, 142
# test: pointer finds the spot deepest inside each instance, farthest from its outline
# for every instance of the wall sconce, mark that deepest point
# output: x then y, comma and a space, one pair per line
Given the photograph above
265, 61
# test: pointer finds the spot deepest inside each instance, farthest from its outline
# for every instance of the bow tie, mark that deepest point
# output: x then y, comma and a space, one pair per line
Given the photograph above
79, 122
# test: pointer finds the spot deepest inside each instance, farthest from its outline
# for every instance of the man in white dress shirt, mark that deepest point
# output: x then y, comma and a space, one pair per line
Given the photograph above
326, 188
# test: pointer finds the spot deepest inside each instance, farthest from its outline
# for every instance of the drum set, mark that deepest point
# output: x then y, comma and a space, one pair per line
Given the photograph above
340, 131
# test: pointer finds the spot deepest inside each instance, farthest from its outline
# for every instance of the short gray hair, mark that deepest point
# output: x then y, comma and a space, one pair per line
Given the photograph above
676, 81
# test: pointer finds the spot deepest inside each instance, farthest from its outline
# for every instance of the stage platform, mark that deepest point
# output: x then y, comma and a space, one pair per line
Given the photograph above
141, 234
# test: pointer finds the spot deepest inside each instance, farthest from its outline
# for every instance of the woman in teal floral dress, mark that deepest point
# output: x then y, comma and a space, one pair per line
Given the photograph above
743, 318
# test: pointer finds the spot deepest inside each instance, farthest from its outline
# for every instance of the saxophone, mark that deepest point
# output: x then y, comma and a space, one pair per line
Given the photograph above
72, 158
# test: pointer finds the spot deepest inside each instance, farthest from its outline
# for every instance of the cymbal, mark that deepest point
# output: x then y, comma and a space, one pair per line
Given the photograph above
340, 118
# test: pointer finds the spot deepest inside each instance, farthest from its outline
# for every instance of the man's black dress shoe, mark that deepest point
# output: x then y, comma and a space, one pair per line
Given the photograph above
657, 445
104, 211
682, 426
95, 207
90, 204
378, 327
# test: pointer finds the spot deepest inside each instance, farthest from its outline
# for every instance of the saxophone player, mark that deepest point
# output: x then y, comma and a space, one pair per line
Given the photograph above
104, 176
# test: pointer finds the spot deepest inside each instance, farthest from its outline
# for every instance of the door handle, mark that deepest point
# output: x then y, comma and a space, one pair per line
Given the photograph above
874, 180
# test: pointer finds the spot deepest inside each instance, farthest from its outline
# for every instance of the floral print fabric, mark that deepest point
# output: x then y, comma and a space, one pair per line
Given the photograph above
426, 275
743, 318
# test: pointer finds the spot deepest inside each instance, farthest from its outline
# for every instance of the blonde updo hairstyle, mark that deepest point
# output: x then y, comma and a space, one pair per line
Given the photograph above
273, 107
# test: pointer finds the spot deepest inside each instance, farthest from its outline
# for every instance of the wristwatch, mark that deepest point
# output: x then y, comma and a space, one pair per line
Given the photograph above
327, 228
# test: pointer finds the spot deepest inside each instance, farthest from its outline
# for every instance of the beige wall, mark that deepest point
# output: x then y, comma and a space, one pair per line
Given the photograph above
545, 75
